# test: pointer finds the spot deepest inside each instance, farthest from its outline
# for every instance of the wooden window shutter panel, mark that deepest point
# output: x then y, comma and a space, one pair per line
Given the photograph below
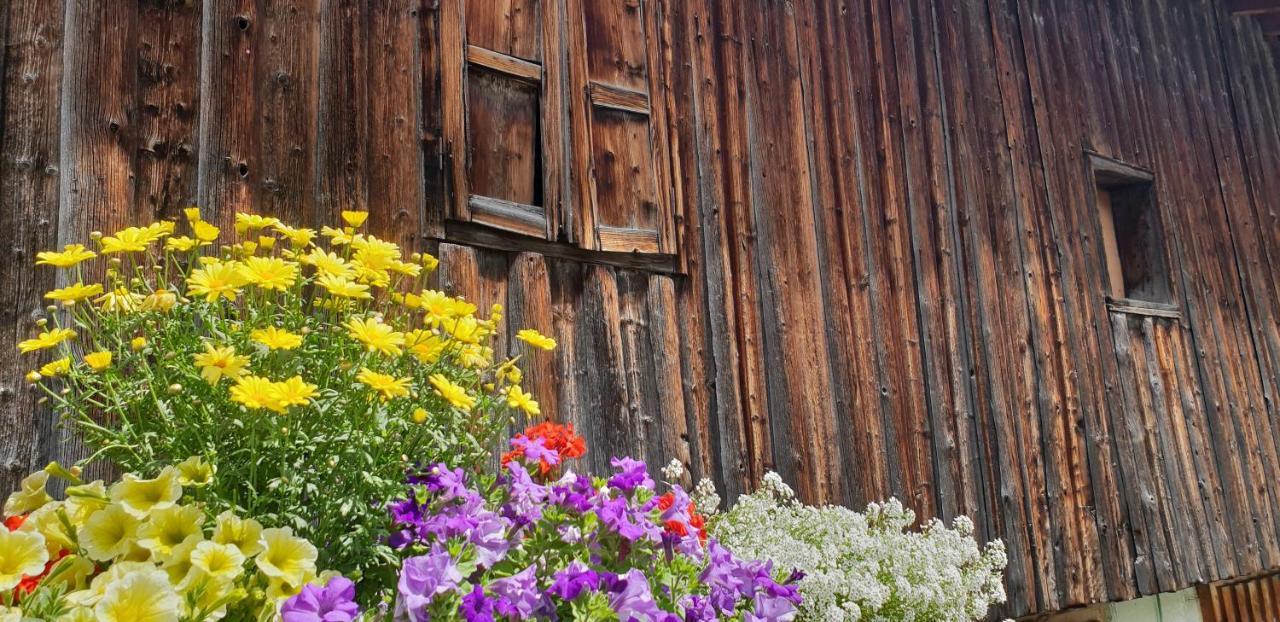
623, 191
503, 86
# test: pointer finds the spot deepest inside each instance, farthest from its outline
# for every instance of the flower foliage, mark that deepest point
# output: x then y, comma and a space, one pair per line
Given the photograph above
144, 549
867, 566
576, 548
307, 366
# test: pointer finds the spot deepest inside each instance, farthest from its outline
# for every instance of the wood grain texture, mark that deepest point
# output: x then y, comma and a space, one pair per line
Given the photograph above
882, 272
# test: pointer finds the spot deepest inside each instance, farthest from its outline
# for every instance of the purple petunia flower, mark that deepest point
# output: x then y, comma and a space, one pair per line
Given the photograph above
570, 583
632, 599
476, 607
335, 602
631, 474
518, 595
423, 578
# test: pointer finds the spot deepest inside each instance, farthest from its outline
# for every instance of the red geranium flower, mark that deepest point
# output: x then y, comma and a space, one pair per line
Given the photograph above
558, 440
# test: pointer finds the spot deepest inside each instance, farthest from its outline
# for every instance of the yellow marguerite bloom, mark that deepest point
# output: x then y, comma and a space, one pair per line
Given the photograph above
120, 300
452, 393
474, 355
439, 306
343, 287
160, 300
466, 329
337, 237
98, 361
72, 294
21, 554
160, 229
56, 368
376, 335
195, 472
140, 496
243, 533
429, 262
218, 362
140, 597
255, 392
425, 346
222, 279
298, 237
374, 253
524, 401
181, 244
192, 213
253, 222
47, 339
109, 533
508, 372
168, 527
294, 392
536, 339
276, 339
205, 232
405, 268
354, 219
270, 273
29, 496
222, 562
285, 557
386, 385
130, 240
328, 263
70, 255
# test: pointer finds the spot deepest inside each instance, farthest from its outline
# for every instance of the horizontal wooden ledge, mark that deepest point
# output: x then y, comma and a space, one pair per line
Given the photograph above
1112, 172
618, 98
530, 220
1144, 308
481, 236
627, 240
505, 64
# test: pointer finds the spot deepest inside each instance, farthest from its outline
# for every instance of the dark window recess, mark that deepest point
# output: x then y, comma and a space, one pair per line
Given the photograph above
1132, 235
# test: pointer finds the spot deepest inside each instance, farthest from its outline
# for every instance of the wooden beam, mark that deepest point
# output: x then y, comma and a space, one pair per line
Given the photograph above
1253, 7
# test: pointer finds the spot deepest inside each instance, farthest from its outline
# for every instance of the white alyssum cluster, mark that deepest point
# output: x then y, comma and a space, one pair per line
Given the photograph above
867, 566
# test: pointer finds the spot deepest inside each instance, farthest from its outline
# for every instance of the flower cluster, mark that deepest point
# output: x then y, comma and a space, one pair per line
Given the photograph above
575, 548
867, 566
308, 366
142, 549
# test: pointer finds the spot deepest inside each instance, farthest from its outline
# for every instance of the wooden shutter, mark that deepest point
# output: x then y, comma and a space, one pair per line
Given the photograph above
503, 107
622, 171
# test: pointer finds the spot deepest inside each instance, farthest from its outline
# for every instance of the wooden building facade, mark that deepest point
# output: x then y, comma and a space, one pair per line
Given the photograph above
1015, 259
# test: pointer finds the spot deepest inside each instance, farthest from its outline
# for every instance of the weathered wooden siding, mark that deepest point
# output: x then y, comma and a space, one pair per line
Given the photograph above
894, 283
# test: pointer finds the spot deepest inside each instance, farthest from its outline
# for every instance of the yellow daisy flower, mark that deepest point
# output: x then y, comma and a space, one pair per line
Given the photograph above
337, 237
181, 244
294, 392
70, 255
47, 339
140, 497
255, 392
56, 368
429, 262
120, 300
536, 339
328, 263
425, 346
298, 237
253, 222
205, 232
452, 393
72, 294
524, 401
98, 361
354, 219
276, 339
270, 273
21, 554
192, 213
465, 329
218, 362
222, 279
160, 300
388, 386
130, 240
376, 335
343, 287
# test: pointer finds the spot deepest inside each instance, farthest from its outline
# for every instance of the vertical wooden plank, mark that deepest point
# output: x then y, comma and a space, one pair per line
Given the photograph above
288, 93
670, 411
606, 422
30, 84
643, 401
394, 173
169, 47
343, 84
529, 306
228, 163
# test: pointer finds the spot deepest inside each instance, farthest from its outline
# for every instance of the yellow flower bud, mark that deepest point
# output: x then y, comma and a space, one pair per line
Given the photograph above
266, 242
34, 376
420, 415
137, 344
42, 322
95, 235
175, 389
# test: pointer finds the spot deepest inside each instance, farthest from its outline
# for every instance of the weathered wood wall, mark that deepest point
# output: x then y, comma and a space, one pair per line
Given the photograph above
893, 284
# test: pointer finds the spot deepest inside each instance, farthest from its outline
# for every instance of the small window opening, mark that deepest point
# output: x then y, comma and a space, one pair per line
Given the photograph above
1132, 236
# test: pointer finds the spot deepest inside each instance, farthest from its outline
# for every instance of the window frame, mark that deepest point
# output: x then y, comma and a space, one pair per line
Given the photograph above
568, 98
1107, 175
